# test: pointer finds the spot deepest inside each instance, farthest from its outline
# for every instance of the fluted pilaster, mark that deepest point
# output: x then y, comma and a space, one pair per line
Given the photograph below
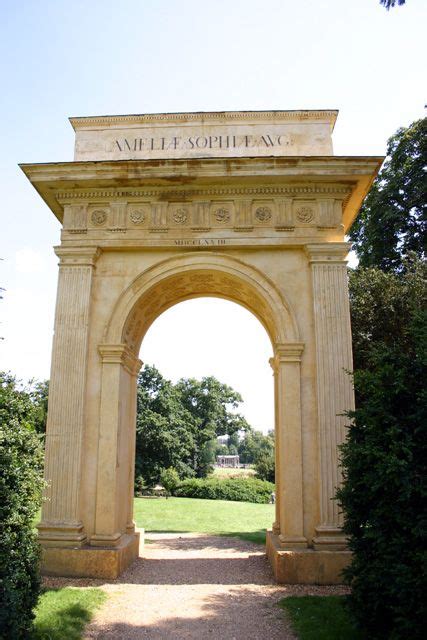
289, 491
116, 446
64, 434
334, 385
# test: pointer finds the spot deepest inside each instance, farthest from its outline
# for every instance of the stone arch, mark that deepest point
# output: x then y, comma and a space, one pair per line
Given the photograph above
190, 223
189, 276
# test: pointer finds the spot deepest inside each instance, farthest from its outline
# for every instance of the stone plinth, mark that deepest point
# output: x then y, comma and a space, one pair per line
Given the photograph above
91, 562
305, 566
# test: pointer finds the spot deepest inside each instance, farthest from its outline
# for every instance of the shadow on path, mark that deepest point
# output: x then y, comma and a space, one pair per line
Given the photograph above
233, 615
194, 586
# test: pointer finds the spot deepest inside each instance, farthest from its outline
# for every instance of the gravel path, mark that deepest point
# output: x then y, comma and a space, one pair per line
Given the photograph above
194, 586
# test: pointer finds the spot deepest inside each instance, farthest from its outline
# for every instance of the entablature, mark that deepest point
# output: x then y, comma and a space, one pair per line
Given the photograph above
247, 194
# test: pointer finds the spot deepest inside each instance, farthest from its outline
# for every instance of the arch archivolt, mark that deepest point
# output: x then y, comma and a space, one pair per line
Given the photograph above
189, 276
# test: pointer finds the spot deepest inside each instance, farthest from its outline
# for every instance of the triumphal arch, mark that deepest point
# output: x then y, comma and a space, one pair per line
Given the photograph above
157, 209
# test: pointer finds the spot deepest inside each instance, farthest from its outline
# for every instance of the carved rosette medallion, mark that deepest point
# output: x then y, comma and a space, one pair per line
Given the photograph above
180, 216
305, 214
98, 217
222, 215
137, 217
262, 214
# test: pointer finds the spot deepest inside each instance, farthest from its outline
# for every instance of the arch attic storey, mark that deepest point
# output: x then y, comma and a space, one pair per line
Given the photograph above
144, 228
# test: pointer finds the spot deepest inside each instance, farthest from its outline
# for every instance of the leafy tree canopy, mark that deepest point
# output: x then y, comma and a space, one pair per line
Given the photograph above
24, 403
392, 222
258, 449
164, 428
388, 4
212, 403
177, 425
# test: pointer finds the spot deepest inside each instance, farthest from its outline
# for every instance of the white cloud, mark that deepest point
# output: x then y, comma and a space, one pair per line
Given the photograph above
28, 260
353, 260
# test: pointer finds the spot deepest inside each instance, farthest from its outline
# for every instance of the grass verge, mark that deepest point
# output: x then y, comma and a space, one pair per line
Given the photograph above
244, 520
64, 613
320, 618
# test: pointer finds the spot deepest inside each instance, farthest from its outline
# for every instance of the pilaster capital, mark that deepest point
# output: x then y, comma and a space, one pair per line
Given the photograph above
120, 354
286, 352
77, 256
328, 252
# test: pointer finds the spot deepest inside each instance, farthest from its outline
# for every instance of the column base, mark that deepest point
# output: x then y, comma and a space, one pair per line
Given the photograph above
329, 539
90, 562
59, 534
292, 542
305, 566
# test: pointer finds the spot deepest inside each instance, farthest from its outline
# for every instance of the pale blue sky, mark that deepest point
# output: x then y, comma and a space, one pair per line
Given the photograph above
60, 59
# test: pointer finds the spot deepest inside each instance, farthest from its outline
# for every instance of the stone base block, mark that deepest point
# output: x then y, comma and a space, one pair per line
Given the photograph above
91, 562
305, 566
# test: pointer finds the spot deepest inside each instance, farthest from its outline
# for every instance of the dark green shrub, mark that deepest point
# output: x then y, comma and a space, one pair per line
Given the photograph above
235, 489
21, 463
169, 479
384, 458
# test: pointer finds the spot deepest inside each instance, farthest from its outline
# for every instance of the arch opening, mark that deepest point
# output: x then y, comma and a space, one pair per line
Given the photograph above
158, 448
210, 336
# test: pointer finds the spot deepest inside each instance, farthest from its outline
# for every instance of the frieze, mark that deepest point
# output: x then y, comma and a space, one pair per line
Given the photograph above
263, 214
305, 214
137, 216
222, 215
304, 211
98, 217
241, 215
75, 218
180, 216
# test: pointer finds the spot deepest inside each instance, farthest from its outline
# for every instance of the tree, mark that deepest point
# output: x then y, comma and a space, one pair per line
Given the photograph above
39, 394
392, 222
255, 445
164, 429
384, 456
21, 466
391, 3
264, 459
211, 403
177, 425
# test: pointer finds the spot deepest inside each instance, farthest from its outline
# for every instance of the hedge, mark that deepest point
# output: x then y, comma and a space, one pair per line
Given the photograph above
234, 489
21, 464
384, 457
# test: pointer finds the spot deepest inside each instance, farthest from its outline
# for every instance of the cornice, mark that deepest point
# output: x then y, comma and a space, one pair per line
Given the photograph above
317, 115
351, 167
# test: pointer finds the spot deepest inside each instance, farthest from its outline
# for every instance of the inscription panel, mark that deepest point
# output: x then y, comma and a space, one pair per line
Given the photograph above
235, 134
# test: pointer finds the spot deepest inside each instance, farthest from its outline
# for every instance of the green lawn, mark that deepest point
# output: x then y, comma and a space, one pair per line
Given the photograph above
320, 618
239, 472
63, 613
241, 519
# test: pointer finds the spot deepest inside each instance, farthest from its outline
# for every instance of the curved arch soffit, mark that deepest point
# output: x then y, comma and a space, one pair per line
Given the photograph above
192, 276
